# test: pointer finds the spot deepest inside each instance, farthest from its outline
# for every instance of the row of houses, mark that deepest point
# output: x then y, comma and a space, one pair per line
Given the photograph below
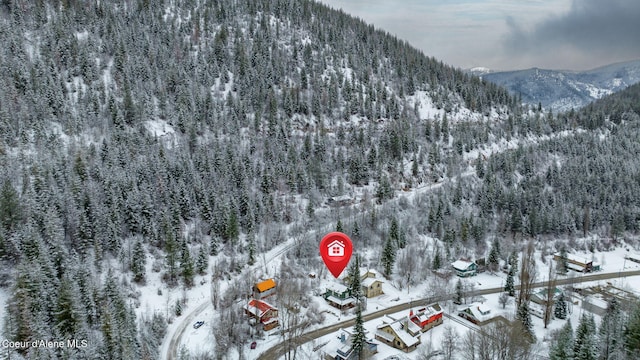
259, 311
465, 268
403, 333
339, 295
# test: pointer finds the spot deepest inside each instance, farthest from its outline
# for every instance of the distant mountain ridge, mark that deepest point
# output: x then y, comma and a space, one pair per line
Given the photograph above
562, 90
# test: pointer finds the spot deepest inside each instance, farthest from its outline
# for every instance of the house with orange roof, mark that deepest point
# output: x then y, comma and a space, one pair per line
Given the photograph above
264, 289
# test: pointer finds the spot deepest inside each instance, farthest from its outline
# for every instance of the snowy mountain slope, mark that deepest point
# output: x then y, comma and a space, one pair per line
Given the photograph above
562, 90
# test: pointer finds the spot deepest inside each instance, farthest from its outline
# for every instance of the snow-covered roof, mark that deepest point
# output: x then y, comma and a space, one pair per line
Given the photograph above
576, 258
337, 288
425, 313
398, 328
632, 256
369, 281
341, 302
575, 267
461, 264
258, 307
404, 336
364, 272
485, 309
474, 308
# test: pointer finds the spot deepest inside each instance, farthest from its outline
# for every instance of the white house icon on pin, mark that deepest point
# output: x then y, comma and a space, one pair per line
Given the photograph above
336, 248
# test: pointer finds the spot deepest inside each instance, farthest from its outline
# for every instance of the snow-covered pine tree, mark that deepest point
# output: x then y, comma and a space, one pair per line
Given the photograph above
355, 284
560, 307
388, 257
202, 261
610, 334
585, 345
186, 265
561, 347
138, 263
509, 285
358, 341
494, 255
459, 292
524, 317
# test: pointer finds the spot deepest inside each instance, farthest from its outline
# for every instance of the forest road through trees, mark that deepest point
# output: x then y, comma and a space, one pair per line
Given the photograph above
172, 351
279, 350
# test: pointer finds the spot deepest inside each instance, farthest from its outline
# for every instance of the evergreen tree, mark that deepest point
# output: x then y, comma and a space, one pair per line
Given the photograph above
358, 341
68, 314
388, 257
632, 332
138, 263
610, 334
215, 245
171, 258
584, 345
437, 259
202, 262
509, 286
560, 309
186, 265
561, 347
524, 317
494, 255
459, 292
339, 227
252, 251
355, 284
563, 265
10, 211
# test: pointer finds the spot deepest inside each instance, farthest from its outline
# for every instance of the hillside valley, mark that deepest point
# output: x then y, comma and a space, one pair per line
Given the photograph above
559, 90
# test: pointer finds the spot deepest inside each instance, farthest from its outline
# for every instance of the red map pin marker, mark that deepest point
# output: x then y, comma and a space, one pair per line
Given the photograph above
336, 249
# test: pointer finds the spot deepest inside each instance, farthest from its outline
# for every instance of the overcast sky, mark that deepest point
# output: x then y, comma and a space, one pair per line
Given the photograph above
510, 34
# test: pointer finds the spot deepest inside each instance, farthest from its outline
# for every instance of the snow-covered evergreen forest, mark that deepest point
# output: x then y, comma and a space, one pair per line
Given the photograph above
173, 135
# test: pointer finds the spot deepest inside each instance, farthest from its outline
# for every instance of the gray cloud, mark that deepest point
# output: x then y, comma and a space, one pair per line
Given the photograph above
593, 32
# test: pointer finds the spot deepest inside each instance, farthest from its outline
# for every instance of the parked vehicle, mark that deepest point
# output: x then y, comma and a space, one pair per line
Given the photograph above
253, 345
198, 324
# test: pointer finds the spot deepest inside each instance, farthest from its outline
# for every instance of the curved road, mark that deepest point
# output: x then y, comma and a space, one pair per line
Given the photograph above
279, 350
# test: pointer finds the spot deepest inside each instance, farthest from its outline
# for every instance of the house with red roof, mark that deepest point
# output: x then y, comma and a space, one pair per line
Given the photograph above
262, 313
427, 317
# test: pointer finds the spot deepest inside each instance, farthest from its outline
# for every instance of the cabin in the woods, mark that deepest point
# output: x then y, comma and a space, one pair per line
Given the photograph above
575, 262
262, 313
264, 289
464, 268
339, 296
